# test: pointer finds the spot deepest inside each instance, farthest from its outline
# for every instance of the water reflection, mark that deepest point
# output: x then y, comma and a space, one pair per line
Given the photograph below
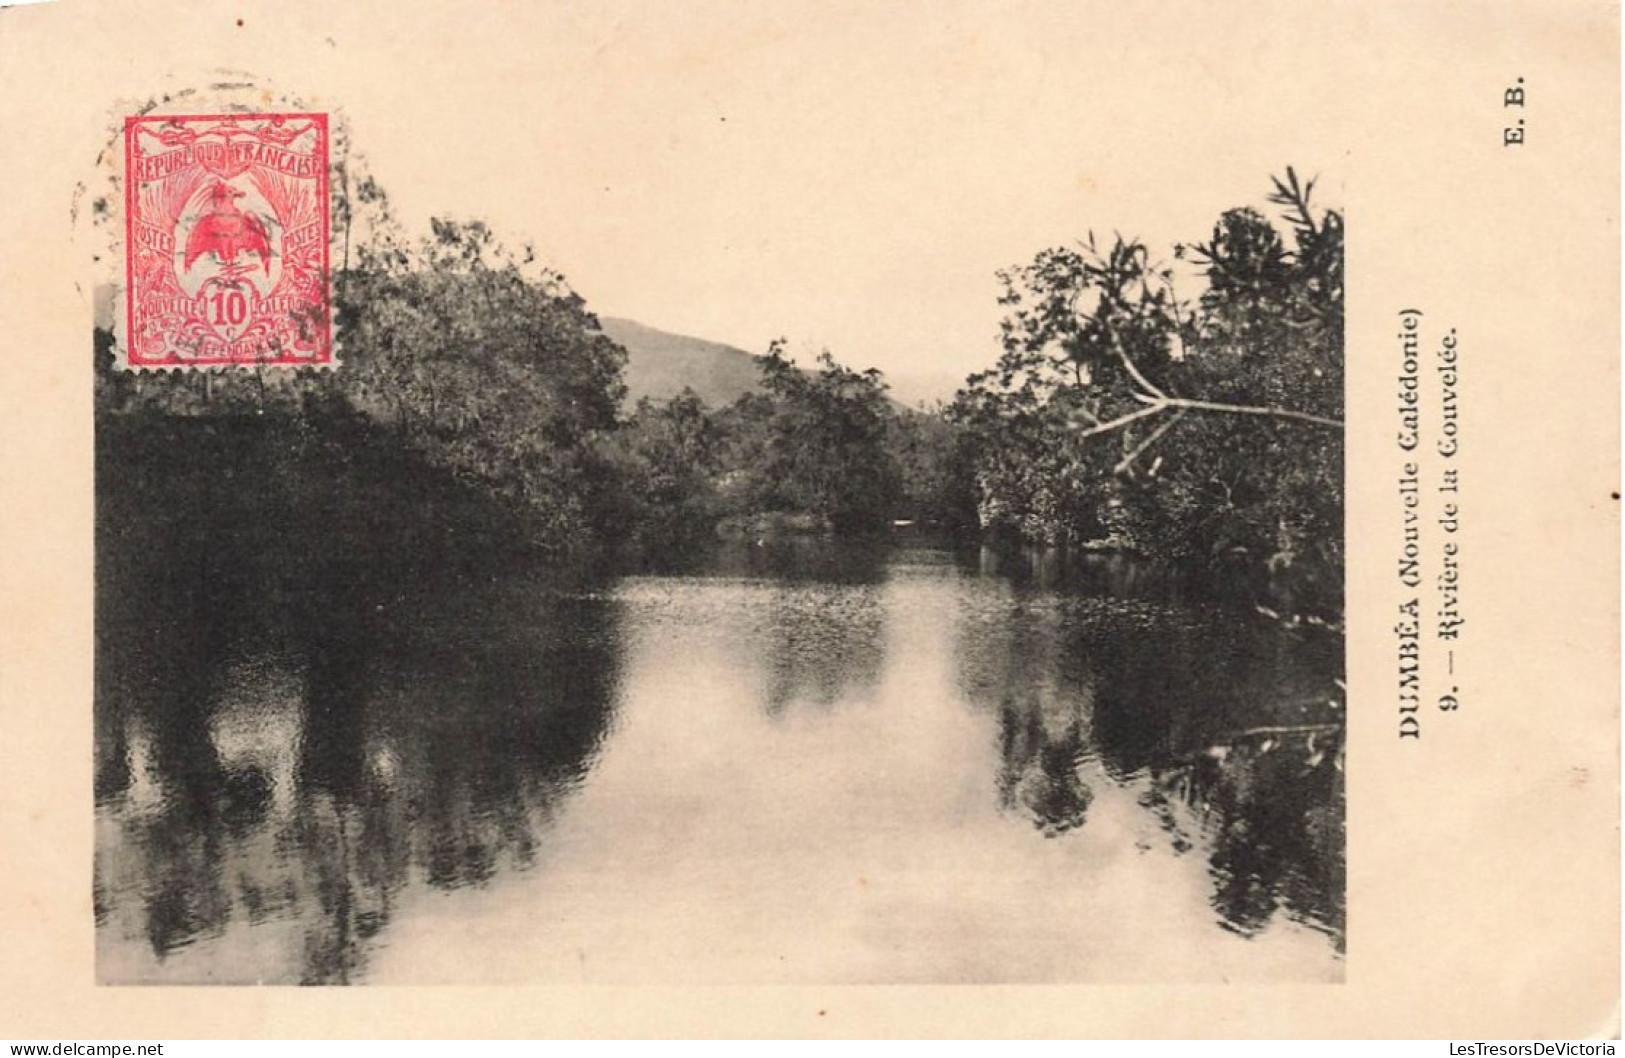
805, 616
1041, 762
1015, 660
1229, 729
805, 761
283, 749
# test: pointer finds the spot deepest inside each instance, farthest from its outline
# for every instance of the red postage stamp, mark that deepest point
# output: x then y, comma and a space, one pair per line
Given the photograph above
227, 240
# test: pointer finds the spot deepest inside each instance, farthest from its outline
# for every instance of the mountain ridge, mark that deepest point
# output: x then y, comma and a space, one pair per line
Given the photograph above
661, 364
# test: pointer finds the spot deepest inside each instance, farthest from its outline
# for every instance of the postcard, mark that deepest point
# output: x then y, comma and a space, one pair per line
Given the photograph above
812, 520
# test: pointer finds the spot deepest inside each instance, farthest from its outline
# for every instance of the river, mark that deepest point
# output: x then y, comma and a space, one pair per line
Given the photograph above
802, 761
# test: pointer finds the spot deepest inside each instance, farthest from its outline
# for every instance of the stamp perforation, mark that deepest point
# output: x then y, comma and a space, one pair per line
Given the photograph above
227, 240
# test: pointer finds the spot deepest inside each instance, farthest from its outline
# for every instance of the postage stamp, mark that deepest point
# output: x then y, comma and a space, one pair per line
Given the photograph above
226, 259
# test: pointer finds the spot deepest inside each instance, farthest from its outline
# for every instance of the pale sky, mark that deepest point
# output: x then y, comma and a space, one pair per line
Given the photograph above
846, 175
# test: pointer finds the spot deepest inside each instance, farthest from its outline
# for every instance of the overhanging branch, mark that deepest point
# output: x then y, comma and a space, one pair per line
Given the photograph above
1168, 424
1122, 420
1179, 406
1251, 409
1154, 405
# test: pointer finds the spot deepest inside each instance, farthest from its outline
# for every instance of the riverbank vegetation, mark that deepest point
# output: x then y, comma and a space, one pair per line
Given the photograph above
1205, 432
1201, 431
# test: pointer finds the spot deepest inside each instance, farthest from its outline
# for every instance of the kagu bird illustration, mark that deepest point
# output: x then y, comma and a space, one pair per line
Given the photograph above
225, 230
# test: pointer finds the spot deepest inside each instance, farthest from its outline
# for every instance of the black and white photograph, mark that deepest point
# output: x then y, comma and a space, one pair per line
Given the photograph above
529, 642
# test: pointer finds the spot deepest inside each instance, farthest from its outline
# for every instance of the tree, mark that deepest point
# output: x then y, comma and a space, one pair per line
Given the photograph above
935, 464
823, 447
489, 367
1207, 432
668, 457
456, 353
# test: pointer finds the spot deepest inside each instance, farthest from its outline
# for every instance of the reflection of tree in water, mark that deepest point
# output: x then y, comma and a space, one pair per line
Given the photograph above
1039, 774
1232, 727
1233, 720
1101, 574
292, 737
181, 887
822, 645
801, 559
824, 629
1274, 805
1044, 697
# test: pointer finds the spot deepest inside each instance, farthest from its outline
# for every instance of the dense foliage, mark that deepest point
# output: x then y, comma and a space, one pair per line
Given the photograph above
821, 446
668, 458
458, 356
498, 375
1206, 433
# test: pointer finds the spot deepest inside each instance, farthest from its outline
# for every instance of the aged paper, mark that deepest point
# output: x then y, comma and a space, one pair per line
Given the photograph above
732, 171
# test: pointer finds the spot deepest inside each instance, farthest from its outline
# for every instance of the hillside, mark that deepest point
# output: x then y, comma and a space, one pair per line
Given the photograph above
659, 364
